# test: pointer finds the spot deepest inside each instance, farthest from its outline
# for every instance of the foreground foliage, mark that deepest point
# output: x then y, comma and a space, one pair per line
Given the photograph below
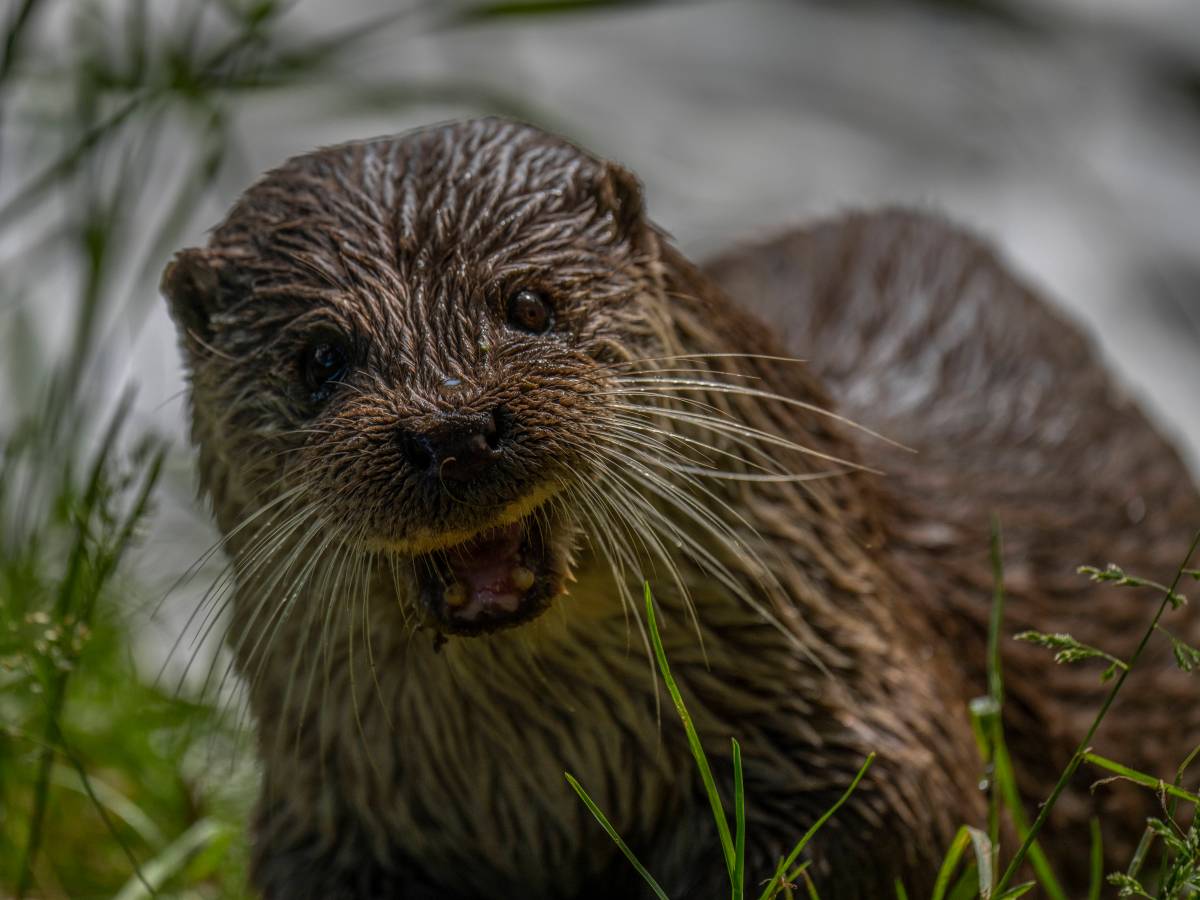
984, 873
112, 784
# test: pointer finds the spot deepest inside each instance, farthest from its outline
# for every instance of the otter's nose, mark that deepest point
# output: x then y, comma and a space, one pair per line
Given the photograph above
457, 446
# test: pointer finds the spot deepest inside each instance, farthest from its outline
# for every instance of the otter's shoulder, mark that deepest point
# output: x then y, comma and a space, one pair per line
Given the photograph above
897, 285
922, 331
902, 310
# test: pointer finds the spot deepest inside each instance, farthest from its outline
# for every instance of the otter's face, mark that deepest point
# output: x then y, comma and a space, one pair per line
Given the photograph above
411, 338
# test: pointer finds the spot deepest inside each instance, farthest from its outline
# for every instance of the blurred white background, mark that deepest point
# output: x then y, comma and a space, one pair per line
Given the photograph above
1066, 131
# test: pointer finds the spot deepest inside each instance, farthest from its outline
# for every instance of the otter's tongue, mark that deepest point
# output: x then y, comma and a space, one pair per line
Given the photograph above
488, 575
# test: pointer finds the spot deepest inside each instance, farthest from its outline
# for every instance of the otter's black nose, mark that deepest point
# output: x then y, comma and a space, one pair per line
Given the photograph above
458, 446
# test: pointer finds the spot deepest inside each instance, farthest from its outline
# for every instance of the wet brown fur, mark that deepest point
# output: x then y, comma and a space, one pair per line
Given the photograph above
817, 614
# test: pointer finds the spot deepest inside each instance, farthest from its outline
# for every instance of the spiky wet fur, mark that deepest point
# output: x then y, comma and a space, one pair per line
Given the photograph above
804, 610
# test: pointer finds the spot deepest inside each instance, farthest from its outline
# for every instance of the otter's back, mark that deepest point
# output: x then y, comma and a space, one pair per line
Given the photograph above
923, 335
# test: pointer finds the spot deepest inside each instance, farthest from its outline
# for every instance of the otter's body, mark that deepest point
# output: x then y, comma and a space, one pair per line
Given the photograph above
455, 397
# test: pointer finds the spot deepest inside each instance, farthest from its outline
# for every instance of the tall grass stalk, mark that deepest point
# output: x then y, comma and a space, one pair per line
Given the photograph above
1168, 601
988, 720
785, 867
733, 850
616, 836
101, 533
693, 738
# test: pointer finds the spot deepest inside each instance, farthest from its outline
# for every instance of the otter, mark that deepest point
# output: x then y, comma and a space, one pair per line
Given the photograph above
455, 397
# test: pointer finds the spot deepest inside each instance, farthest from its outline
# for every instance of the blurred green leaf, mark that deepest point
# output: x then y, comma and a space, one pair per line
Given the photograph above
517, 8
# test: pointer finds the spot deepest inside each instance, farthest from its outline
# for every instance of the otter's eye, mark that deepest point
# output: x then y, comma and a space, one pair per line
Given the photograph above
530, 311
323, 364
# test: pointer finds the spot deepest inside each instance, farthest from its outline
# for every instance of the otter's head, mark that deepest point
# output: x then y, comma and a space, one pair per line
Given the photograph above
409, 340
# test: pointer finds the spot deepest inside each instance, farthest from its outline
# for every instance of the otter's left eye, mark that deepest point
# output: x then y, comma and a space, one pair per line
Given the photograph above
323, 364
530, 311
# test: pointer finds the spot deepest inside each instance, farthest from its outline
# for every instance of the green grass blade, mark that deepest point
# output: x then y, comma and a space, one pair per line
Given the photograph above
139, 876
1139, 853
988, 720
70, 598
1073, 766
174, 857
967, 886
1096, 878
950, 862
993, 724
710, 785
976, 880
18, 23
1155, 784
1006, 781
112, 800
1183, 767
994, 677
901, 893
533, 8
1173, 805
612, 833
777, 879
739, 818
1019, 890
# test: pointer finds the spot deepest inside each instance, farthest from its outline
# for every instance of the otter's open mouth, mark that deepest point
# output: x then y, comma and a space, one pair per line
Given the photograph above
501, 577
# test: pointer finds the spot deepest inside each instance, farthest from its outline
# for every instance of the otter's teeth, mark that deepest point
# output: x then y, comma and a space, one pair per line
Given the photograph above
455, 594
521, 577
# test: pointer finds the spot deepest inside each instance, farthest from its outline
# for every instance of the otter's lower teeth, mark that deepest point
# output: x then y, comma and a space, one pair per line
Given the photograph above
521, 577
455, 594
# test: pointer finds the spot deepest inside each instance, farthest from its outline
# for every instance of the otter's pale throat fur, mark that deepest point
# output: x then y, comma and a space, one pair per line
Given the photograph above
455, 396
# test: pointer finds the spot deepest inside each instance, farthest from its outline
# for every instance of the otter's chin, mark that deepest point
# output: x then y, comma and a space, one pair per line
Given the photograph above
502, 577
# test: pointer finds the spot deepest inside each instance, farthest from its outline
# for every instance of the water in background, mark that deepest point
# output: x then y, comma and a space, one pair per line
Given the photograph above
1066, 131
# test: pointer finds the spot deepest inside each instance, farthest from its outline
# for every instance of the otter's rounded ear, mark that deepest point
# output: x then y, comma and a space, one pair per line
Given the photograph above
620, 195
192, 288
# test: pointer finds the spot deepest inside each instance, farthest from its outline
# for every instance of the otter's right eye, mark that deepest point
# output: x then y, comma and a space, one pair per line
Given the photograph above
530, 311
323, 365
